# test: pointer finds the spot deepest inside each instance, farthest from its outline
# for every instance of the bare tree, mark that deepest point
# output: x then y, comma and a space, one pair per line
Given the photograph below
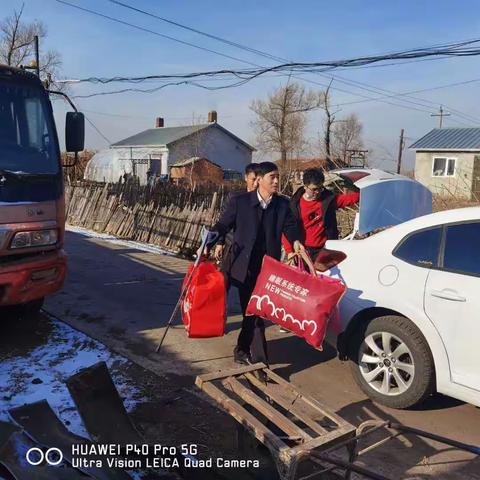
281, 119
328, 126
347, 135
194, 146
17, 45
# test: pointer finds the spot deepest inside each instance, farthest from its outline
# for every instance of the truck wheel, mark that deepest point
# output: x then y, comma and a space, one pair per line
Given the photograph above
30, 309
392, 363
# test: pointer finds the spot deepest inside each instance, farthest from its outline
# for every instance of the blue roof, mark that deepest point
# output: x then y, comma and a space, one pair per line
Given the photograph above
449, 139
168, 135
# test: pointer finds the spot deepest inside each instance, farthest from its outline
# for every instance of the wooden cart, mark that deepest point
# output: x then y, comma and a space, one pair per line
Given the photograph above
290, 423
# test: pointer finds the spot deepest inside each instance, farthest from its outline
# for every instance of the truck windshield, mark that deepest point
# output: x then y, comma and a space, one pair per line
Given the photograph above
27, 138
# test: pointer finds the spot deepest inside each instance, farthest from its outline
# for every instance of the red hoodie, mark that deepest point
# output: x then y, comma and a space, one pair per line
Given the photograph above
311, 216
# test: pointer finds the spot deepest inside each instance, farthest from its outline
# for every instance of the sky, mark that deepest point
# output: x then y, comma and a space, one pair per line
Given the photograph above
309, 31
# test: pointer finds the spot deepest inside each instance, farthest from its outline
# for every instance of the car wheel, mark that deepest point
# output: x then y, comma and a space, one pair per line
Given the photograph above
392, 363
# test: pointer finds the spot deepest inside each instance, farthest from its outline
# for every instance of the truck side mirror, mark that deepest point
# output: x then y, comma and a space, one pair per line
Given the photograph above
74, 132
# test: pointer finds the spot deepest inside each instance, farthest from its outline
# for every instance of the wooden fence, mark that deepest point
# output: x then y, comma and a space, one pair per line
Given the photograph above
168, 216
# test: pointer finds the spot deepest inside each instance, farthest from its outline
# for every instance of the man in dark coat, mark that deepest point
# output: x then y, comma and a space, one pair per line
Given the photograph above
222, 248
258, 219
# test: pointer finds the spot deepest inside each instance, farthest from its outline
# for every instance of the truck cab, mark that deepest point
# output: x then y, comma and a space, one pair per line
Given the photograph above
32, 203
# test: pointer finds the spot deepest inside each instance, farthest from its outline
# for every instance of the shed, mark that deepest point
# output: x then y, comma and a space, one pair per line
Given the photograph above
447, 161
196, 171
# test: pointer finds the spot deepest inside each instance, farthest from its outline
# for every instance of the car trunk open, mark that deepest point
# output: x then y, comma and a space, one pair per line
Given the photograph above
386, 199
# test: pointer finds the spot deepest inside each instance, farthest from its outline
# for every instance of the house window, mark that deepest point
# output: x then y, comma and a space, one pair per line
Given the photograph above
443, 167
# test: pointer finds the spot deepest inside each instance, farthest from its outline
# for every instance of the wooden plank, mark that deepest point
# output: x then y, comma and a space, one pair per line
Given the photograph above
208, 377
190, 222
245, 418
284, 423
326, 441
152, 223
111, 209
306, 398
316, 427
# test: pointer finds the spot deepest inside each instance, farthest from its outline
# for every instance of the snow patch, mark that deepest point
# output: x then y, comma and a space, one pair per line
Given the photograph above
49, 365
145, 247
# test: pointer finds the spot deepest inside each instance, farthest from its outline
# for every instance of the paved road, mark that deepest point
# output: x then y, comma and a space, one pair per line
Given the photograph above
124, 297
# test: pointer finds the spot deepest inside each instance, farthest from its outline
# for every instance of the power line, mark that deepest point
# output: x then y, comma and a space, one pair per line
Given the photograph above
408, 94
297, 67
191, 29
138, 27
268, 55
464, 48
425, 50
252, 50
196, 84
97, 130
94, 127
120, 115
236, 44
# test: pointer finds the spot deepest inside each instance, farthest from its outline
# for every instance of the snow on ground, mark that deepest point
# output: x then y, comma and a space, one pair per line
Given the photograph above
41, 374
146, 247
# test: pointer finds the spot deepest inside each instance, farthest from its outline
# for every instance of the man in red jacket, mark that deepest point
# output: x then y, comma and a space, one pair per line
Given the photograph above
315, 207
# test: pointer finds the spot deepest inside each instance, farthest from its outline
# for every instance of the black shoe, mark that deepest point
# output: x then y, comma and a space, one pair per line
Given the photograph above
261, 375
241, 357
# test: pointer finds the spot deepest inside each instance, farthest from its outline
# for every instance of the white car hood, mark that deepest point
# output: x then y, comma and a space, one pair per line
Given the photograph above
386, 199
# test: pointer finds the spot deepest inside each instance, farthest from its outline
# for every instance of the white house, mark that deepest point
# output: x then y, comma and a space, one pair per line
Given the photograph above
158, 148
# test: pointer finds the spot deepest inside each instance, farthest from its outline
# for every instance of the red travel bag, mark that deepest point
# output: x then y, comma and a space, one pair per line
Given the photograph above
295, 299
204, 304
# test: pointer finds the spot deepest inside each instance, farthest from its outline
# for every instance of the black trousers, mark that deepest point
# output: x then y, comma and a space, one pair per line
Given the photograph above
252, 335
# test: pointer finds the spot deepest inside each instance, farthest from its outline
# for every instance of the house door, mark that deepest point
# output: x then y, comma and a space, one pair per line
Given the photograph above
476, 178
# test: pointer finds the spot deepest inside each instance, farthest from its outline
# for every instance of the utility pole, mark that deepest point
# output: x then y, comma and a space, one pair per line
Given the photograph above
400, 151
37, 56
441, 115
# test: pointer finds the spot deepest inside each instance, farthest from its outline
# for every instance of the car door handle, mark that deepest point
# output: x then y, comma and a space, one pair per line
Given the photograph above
447, 295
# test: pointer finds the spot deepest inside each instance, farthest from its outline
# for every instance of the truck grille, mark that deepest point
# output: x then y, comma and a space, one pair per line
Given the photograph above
8, 259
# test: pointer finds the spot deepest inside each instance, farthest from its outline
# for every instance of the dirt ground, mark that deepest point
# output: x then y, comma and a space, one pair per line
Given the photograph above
166, 409
119, 315
127, 306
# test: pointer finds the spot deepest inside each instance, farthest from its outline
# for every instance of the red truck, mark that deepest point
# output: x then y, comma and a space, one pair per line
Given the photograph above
32, 201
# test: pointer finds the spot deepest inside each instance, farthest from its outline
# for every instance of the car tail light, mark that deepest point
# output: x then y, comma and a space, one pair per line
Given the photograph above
327, 259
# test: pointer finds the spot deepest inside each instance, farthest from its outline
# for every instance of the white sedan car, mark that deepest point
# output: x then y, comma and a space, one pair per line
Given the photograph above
410, 319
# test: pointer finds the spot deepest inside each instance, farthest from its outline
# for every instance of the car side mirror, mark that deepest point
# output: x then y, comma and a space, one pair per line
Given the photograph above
74, 132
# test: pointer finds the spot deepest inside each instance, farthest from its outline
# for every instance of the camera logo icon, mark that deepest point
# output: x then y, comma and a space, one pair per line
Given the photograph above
35, 456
